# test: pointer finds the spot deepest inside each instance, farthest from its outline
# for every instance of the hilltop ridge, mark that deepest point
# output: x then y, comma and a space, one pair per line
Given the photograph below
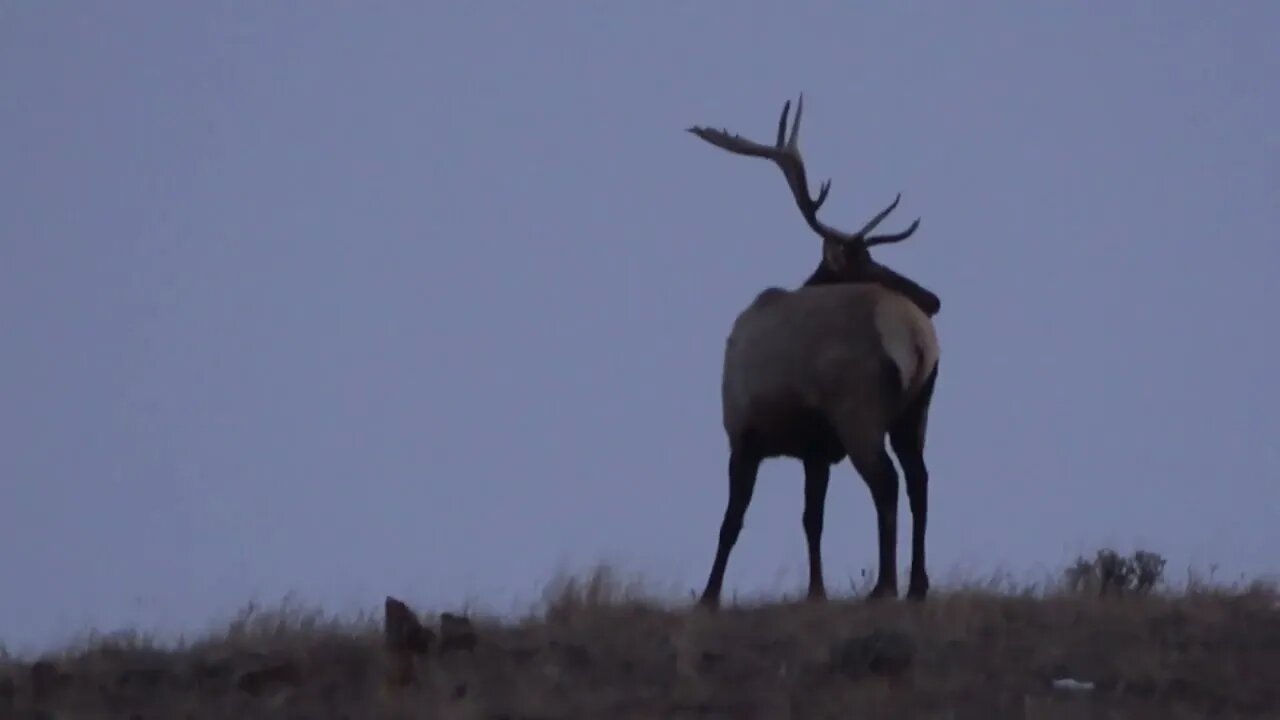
594, 652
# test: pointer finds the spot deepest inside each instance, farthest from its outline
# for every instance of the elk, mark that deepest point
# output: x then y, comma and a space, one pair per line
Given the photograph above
825, 372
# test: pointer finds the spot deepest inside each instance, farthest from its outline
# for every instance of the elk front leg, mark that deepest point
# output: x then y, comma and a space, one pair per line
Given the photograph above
742, 481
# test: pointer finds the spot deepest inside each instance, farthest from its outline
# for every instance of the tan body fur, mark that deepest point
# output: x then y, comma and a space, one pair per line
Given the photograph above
822, 348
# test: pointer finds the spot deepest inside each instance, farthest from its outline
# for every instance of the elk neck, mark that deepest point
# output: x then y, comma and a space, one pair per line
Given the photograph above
920, 296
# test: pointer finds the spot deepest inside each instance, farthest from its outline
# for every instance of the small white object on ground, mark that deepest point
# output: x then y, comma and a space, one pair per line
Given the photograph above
1070, 684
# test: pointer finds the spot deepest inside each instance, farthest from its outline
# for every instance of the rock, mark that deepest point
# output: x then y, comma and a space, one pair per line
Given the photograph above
405, 638
456, 633
887, 653
402, 632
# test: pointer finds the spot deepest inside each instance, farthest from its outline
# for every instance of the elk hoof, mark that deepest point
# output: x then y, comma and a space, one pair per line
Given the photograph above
882, 592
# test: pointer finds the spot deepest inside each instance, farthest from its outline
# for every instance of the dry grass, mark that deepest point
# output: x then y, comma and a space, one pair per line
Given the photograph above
599, 649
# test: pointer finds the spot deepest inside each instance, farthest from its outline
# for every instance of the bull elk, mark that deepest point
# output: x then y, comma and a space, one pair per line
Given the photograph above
825, 372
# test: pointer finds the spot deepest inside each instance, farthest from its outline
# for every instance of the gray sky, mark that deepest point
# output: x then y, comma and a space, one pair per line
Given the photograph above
430, 299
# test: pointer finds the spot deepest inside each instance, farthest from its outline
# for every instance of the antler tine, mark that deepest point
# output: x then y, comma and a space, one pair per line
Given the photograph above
885, 239
782, 125
792, 164
822, 194
793, 147
873, 222
896, 237
795, 125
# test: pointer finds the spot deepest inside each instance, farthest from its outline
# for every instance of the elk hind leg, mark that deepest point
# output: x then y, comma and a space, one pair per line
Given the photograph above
817, 474
862, 433
907, 437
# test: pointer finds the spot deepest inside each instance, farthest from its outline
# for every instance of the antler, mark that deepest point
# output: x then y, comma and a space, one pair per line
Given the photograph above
786, 155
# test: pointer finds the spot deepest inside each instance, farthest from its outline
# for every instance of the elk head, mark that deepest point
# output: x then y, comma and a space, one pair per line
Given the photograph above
846, 257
